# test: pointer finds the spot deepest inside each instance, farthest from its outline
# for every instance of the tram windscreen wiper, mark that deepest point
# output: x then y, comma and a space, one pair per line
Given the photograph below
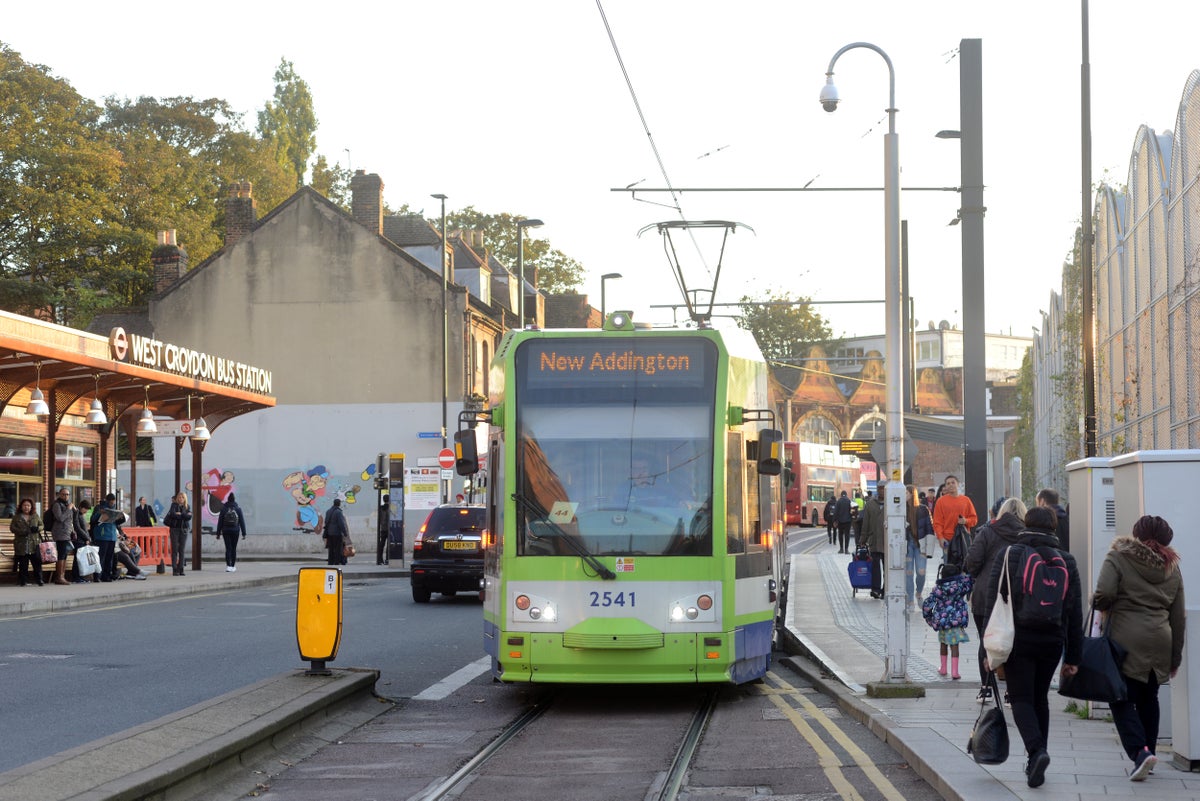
531, 507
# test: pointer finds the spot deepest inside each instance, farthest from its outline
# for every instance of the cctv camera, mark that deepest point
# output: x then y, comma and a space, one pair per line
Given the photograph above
829, 96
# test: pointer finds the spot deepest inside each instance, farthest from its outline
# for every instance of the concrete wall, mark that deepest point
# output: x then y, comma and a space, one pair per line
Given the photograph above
330, 309
351, 329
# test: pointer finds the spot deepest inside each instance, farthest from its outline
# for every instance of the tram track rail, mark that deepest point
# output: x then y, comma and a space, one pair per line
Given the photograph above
673, 777
475, 763
687, 749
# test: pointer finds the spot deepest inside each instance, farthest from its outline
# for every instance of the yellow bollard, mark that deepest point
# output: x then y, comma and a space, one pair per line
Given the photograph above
319, 616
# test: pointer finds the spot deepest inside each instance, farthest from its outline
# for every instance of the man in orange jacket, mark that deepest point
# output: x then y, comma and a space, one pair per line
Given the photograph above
952, 510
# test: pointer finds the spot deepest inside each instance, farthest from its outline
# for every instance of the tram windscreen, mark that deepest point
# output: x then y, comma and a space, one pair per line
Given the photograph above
618, 456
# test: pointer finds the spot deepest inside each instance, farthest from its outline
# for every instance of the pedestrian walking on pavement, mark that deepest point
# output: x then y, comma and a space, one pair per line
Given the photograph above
335, 533
917, 527
831, 518
842, 515
1140, 589
231, 523
989, 545
178, 518
874, 537
952, 510
26, 528
1048, 625
945, 611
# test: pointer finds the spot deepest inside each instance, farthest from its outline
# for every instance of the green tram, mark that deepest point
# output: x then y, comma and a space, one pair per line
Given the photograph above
634, 513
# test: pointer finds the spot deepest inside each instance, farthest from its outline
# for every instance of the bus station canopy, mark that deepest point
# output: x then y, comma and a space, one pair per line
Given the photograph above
70, 365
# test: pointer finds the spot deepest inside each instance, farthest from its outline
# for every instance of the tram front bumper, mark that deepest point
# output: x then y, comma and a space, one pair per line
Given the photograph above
647, 657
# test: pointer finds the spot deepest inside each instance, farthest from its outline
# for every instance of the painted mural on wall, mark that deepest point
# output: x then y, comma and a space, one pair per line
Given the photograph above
214, 489
308, 488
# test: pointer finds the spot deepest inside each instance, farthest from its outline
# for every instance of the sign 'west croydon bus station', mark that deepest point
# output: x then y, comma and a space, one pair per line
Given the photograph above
185, 361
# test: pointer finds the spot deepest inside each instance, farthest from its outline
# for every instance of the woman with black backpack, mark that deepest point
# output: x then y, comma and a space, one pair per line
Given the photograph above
231, 523
1047, 624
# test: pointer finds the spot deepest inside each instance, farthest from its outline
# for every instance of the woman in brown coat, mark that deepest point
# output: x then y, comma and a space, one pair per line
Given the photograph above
27, 539
1141, 590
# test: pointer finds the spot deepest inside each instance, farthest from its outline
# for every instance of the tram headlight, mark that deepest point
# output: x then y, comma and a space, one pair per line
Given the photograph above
528, 607
698, 608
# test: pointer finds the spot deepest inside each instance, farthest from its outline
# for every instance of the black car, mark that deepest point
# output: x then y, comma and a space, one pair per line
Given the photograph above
448, 552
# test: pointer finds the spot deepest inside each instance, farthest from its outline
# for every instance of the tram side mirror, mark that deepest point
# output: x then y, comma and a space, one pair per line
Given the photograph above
466, 455
770, 452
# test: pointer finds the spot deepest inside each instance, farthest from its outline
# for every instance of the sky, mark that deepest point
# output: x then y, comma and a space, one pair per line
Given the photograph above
523, 107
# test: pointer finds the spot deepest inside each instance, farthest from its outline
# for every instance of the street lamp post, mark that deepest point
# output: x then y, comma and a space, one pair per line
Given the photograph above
603, 304
445, 337
521, 226
896, 632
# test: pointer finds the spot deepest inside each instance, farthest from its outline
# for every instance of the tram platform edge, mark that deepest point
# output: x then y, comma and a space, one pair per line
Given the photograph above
214, 743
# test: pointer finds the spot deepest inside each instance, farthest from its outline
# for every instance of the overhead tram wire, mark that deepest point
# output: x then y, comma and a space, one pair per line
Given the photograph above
662, 168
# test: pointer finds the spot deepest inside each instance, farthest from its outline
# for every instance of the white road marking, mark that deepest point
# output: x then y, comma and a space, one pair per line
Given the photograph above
455, 680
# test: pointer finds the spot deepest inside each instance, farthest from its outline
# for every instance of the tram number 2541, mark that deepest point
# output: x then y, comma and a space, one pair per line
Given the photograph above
604, 599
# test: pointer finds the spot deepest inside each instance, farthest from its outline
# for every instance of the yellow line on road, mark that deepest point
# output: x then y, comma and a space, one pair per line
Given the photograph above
828, 760
859, 756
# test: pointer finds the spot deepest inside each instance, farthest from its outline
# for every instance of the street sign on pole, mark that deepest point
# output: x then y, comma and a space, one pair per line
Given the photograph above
446, 458
172, 428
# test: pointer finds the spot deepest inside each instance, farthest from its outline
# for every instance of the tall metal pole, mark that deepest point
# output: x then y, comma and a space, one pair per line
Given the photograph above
445, 485
520, 275
970, 90
604, 279
896, 631
1085, 247
522, 224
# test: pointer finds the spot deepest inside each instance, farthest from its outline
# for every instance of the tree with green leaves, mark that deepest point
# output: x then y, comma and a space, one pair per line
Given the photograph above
556, 271
57, 173
1023, 444
289, 122
332, 181
178, 156
785, 327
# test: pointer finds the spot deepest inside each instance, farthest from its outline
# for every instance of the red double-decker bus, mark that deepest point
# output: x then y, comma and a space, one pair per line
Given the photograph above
812, 474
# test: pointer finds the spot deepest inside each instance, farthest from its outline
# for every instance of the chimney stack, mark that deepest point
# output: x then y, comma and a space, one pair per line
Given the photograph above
169, 260
366, 201
241, 212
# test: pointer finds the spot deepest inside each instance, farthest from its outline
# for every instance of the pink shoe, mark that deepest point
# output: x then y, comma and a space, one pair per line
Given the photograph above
955, 676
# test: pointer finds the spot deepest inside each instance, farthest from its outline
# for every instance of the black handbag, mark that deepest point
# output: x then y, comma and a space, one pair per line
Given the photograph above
1099, 676
989, 739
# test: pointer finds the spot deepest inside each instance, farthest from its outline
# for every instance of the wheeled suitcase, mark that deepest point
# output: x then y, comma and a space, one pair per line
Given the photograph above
860, 571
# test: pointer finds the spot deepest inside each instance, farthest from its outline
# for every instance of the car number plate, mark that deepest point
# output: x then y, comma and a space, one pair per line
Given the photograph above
458, 545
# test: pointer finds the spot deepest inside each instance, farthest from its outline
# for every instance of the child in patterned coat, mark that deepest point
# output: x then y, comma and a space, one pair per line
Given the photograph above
945, 610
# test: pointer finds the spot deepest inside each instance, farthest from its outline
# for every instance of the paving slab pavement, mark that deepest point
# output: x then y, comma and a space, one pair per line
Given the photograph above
842, 639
